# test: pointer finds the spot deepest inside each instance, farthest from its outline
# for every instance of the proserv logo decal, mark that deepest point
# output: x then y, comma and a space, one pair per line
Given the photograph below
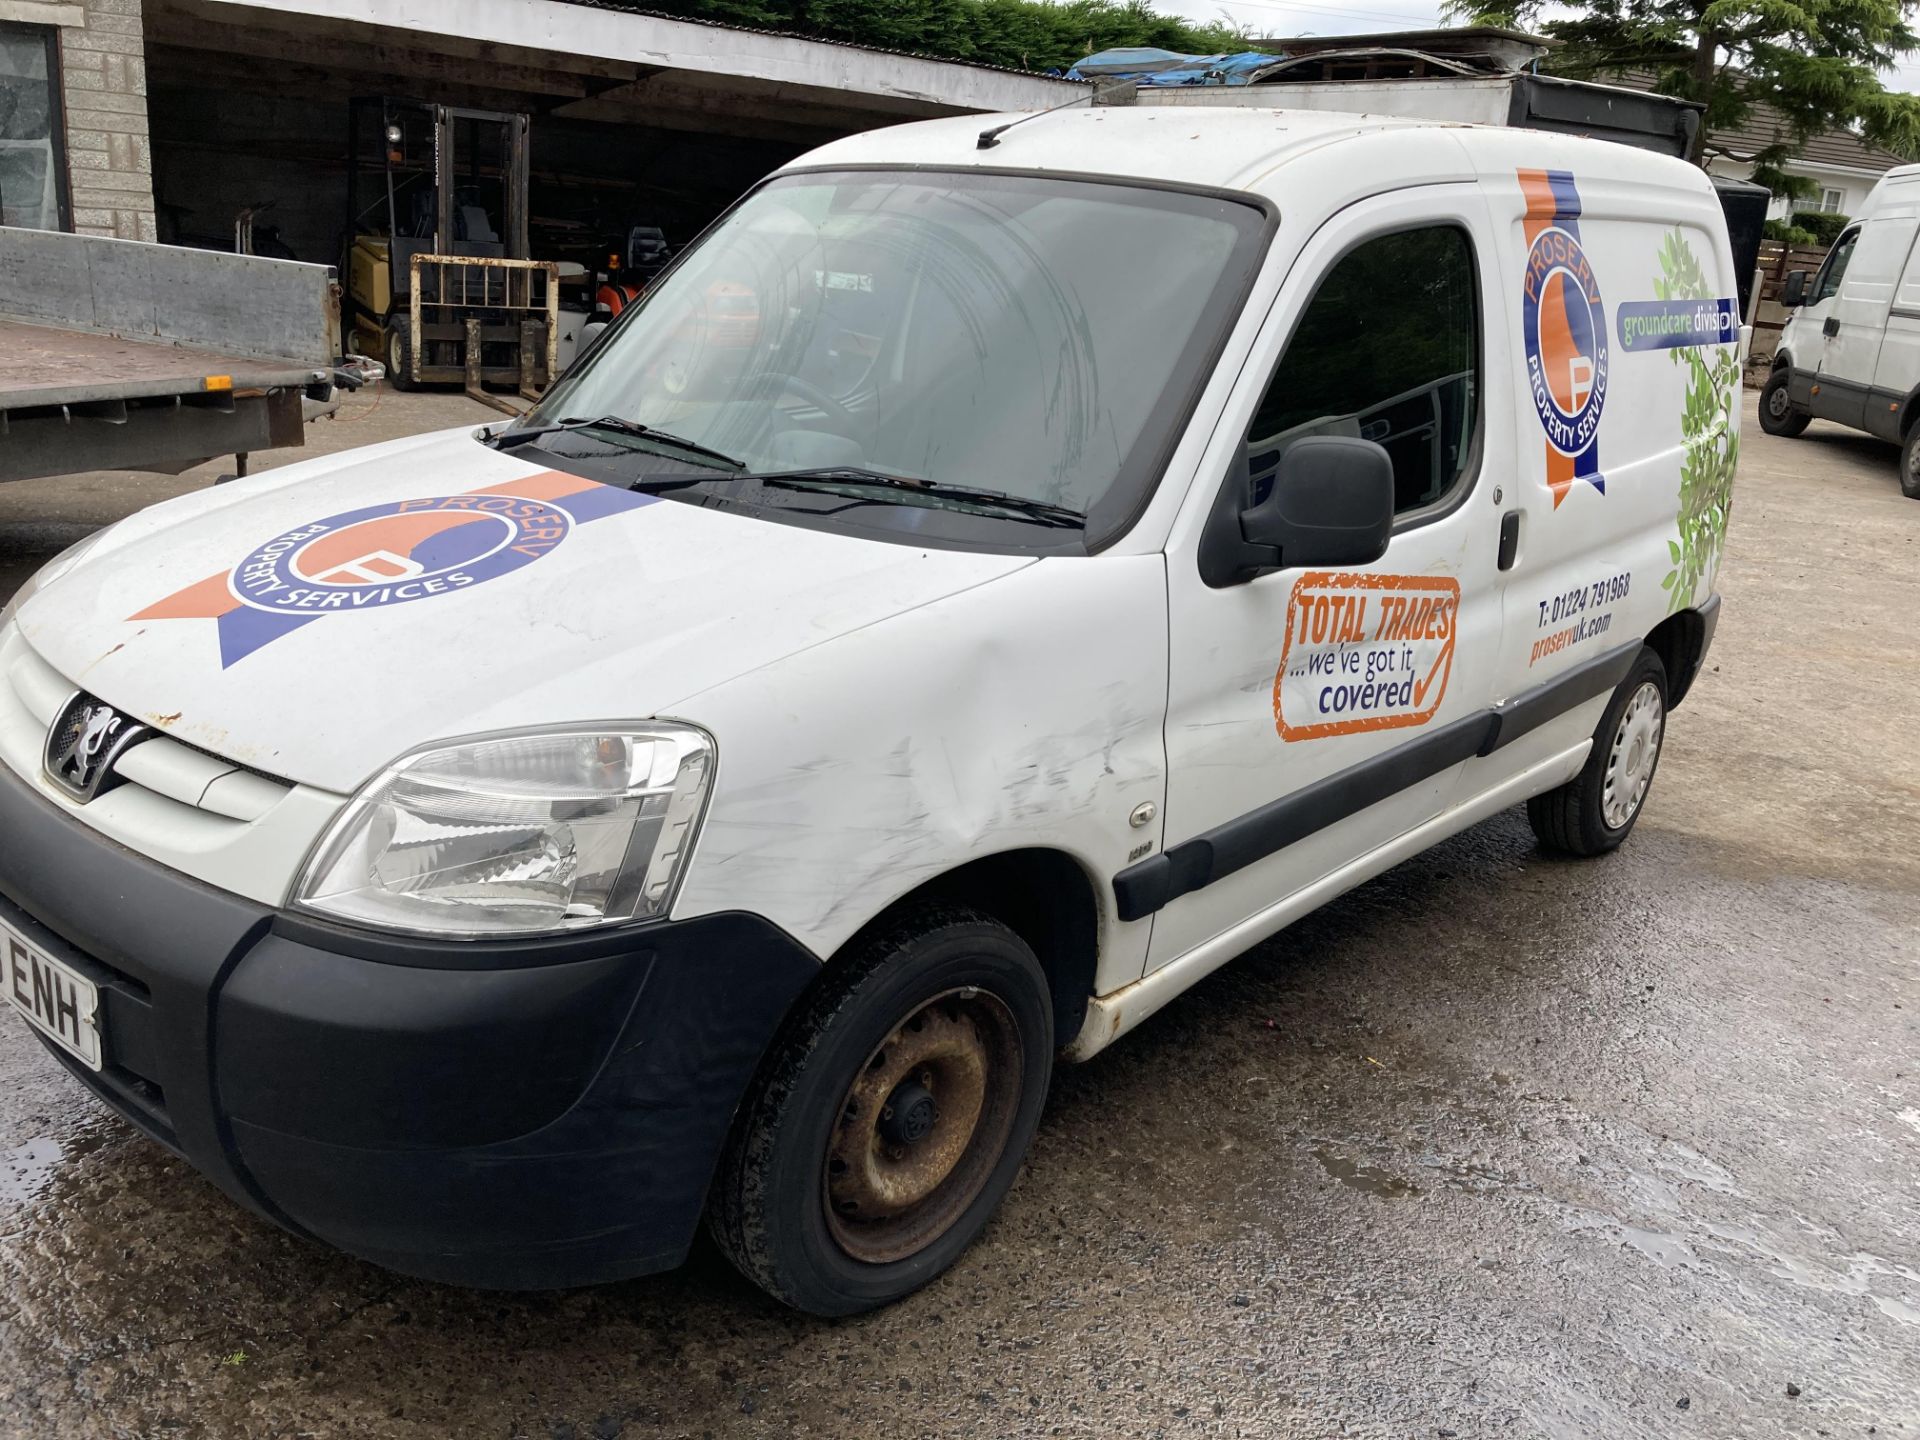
1364, 652
395, 553
1564, 331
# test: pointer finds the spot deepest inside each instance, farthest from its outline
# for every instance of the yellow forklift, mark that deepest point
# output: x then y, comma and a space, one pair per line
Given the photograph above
439, 282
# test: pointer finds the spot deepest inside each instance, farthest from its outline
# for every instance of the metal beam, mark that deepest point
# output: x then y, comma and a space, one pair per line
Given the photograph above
164, 435
683, 104
183, 25
563, 33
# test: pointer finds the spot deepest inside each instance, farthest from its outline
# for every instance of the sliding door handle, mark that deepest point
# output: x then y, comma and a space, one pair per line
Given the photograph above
1509, 538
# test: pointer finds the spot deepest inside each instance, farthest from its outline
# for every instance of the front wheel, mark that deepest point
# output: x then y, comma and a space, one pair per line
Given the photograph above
399, 358
1777, 414
1593, 812
1910, 464
891, 1115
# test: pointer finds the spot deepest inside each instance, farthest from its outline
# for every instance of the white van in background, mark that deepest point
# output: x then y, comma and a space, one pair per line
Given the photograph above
1851, 349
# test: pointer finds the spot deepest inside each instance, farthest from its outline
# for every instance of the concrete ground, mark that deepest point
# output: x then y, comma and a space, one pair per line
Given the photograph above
1496, 1145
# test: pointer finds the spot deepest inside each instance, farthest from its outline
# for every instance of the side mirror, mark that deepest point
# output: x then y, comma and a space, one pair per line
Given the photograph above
591, 334
1331, 504
1794, 291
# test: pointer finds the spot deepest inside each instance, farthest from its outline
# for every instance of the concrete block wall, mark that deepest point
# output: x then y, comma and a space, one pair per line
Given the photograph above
103, 94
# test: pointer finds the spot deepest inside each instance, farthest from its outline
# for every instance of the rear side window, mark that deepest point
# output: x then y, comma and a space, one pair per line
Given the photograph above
1389, 351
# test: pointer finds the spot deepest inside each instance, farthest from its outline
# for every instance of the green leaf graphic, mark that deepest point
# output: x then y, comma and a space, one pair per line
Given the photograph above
1706, 431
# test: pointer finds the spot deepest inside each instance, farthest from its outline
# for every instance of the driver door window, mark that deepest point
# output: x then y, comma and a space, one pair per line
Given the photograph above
1387, 350
1827, 283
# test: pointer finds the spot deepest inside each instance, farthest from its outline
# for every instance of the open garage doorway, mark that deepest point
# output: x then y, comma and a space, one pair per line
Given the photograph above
252, 110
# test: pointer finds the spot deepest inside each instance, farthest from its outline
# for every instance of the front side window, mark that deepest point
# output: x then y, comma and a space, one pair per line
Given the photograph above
1835, 268
1025, 335
32, 154
1388, 350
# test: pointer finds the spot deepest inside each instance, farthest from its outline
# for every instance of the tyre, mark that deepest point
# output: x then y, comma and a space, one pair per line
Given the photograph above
1910, 464
891, 1115
1593, 812
1777, 415
399, 359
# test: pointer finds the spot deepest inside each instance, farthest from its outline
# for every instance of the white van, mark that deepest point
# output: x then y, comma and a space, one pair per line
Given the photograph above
989, 583
1850, 351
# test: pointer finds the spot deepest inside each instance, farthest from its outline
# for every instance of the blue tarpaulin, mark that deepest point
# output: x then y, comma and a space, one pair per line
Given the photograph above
1146, 66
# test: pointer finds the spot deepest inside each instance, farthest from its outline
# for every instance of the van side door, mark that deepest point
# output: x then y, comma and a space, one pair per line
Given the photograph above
1309, 711
1862, 294
1618, 506
1815, 325
1896, 373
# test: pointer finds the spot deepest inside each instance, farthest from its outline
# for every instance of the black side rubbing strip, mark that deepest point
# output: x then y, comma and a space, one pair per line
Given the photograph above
1140, 890
1533, 708
1709, 622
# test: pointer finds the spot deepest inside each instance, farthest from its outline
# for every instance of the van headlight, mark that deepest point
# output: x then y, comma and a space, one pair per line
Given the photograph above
50, 572
523, 834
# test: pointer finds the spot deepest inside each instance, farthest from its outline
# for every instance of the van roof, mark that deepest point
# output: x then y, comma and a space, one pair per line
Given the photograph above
1223, 148
1234, 148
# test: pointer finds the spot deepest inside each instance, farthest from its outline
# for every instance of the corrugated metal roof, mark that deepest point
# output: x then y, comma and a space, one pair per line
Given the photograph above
624, 9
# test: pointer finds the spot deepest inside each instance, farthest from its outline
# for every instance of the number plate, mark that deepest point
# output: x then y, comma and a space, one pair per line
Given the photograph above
59, 1003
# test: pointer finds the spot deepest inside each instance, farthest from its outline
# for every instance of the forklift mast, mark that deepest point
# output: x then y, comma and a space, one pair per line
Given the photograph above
446, 149
461, 158
449, 292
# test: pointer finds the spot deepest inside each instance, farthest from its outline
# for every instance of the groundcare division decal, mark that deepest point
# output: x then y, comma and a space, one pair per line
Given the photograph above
1676, 324
1564, 331
1364, 652
1710, 355
395, 553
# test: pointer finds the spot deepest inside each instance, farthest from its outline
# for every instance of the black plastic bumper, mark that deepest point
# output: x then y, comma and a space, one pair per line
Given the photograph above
512, 1115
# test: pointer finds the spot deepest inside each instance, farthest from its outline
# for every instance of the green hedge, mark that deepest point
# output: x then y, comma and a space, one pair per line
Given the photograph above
1788, 233
1823, 225
1019, 34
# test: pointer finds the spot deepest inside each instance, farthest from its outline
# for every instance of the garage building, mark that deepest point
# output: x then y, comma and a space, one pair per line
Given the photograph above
174, 120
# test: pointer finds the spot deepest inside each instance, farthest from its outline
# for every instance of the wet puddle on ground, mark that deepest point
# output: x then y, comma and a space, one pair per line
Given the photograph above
26, 1169
1685, 1239
29, 1168
1367, 1179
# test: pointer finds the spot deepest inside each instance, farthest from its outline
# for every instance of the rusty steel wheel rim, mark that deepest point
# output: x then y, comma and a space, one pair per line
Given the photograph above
922, 1126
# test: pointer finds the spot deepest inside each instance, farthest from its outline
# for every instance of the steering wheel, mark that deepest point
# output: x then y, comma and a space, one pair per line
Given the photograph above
841, 416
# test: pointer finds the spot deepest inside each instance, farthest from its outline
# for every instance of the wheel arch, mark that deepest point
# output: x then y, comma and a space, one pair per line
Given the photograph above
1909, 412
1680, 641
1044, 896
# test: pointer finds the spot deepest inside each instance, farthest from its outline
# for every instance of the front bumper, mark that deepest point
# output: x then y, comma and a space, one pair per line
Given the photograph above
515, 1115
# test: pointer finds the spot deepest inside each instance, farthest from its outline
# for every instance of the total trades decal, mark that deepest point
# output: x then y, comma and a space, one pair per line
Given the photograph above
389, 554
1564, 332
1364, 652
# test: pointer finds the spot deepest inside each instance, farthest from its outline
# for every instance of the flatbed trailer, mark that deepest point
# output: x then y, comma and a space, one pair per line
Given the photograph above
116, 355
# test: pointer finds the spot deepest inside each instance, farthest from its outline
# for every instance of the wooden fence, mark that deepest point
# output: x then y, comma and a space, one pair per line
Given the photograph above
1777, 261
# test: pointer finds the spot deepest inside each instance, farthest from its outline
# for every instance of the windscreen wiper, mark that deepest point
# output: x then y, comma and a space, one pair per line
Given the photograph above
1041, 510
619, 425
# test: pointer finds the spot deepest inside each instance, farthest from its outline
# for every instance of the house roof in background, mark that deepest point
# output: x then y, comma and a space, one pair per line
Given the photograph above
1769, 126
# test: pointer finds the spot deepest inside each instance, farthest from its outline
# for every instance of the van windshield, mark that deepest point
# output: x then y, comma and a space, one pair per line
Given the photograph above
1033, 337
